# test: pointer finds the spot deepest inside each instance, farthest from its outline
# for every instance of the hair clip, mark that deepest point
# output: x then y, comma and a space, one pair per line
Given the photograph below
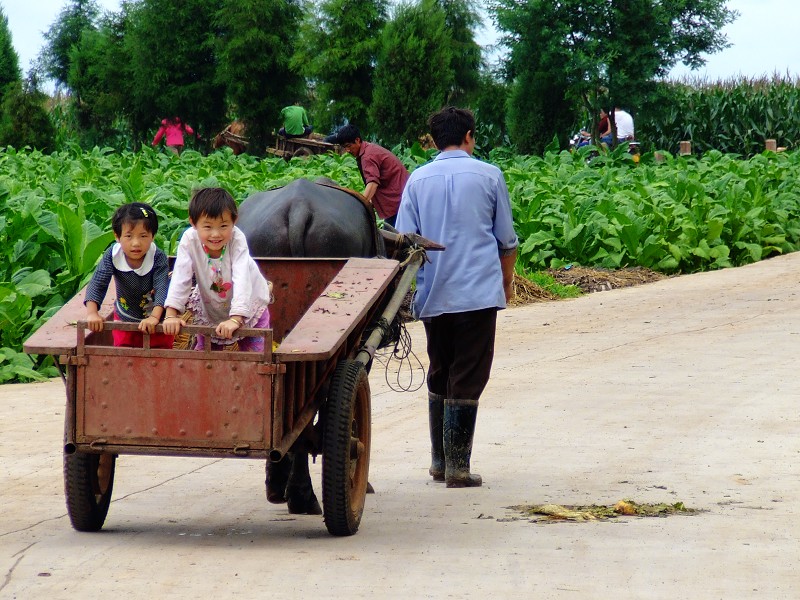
144, 212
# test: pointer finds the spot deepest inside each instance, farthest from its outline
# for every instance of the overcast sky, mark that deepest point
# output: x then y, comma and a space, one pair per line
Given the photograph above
764, 37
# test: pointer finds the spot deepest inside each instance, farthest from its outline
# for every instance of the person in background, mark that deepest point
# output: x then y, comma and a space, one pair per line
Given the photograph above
174, 129
383, 174
295, 122
463, 204
140, 272
624, 123
604, 125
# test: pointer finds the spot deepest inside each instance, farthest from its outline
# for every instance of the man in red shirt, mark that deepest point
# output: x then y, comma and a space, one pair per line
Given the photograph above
383, 173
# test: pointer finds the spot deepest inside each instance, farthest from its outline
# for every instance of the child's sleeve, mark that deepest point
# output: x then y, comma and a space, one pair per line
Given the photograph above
98, 285
160, 278
180, 285
243, 284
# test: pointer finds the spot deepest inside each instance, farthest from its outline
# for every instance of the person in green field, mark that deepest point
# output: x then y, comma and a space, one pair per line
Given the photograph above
295, 122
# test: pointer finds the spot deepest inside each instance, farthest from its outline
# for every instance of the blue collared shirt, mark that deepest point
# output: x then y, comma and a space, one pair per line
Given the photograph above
463, 204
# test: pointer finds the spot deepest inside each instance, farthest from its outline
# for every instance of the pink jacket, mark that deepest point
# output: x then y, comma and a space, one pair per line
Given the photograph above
174, 133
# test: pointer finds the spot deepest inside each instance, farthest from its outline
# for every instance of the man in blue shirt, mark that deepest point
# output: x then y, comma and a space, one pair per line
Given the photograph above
462, 203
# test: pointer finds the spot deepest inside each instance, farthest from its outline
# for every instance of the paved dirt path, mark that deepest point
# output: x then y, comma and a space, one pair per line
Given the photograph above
682, 390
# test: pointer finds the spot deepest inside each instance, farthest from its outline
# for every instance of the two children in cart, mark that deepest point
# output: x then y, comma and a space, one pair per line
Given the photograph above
214, 277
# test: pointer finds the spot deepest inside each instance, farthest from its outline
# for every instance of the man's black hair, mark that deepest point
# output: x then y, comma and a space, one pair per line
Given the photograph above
347, 134
130, 214
211, 202
450, 125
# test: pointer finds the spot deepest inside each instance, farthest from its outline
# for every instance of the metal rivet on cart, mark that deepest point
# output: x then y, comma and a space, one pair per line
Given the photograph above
237, 386
182, 432
234, 410
234, 367
180, 365
209, 366
209, 433
104, 405
154, 431
105, 362
154, 363
234, 436
130, 363
105, 380
128, 430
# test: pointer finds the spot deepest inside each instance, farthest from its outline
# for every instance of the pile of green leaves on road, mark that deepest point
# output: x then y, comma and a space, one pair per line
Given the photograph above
681, 215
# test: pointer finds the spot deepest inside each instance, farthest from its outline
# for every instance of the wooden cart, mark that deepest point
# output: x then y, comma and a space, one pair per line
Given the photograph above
233, 404
301, 147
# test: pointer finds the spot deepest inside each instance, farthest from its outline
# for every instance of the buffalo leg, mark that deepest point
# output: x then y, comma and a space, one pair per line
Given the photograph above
299, 491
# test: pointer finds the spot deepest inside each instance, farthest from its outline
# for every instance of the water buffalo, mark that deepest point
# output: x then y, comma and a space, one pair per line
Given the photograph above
306, 219
309, 219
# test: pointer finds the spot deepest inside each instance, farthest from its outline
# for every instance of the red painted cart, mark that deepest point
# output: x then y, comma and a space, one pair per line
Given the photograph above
233, 404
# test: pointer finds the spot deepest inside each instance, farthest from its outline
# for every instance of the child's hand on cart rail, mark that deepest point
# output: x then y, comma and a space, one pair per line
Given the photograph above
172, 324
228, 327
94, 321
148, 324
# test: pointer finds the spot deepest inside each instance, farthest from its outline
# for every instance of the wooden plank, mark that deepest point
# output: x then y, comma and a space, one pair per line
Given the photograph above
343, 304
58, 335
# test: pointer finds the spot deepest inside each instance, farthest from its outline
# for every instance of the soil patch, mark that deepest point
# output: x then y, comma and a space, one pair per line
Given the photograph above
601, 280
586, 279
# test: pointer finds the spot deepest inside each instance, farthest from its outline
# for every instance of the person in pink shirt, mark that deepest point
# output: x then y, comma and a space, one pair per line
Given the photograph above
174, 129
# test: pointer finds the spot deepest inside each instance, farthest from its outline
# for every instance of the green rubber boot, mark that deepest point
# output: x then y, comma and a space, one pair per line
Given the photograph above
436, 423
459, 430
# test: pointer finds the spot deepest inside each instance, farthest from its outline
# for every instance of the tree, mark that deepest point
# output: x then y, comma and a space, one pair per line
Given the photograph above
9, 59
340, 46
23, 119
64, 34
607, 52
256, 44
414, 72
173, 64
99, 76
461, 18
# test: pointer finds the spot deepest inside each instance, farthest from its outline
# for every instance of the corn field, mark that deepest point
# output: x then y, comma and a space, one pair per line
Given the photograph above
733, 116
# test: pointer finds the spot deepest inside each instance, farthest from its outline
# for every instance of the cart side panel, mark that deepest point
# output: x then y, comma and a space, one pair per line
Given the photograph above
181, 403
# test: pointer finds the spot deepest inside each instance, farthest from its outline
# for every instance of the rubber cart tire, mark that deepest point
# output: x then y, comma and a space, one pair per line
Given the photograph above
345, 448
302, 153
88, 482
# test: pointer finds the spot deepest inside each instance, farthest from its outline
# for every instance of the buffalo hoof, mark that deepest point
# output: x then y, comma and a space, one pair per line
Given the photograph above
277, 478
300, 503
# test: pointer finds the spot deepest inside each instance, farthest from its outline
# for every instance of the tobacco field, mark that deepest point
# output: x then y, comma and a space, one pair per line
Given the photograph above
674, 215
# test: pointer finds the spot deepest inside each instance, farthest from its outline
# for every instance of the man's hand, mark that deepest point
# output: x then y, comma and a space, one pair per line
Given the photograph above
507, 262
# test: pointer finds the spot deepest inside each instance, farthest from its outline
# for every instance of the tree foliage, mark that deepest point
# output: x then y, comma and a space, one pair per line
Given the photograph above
461, 18
255, 48
9, 59
414, 72
608, 52
23, 119
173, 64
100, 78
64, 35
341, 41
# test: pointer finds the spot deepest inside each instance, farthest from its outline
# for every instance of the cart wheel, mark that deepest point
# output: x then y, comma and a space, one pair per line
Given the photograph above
345, 448
88, 481
302, 153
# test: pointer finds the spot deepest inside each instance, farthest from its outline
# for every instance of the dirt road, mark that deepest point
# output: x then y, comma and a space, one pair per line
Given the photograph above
682, 390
